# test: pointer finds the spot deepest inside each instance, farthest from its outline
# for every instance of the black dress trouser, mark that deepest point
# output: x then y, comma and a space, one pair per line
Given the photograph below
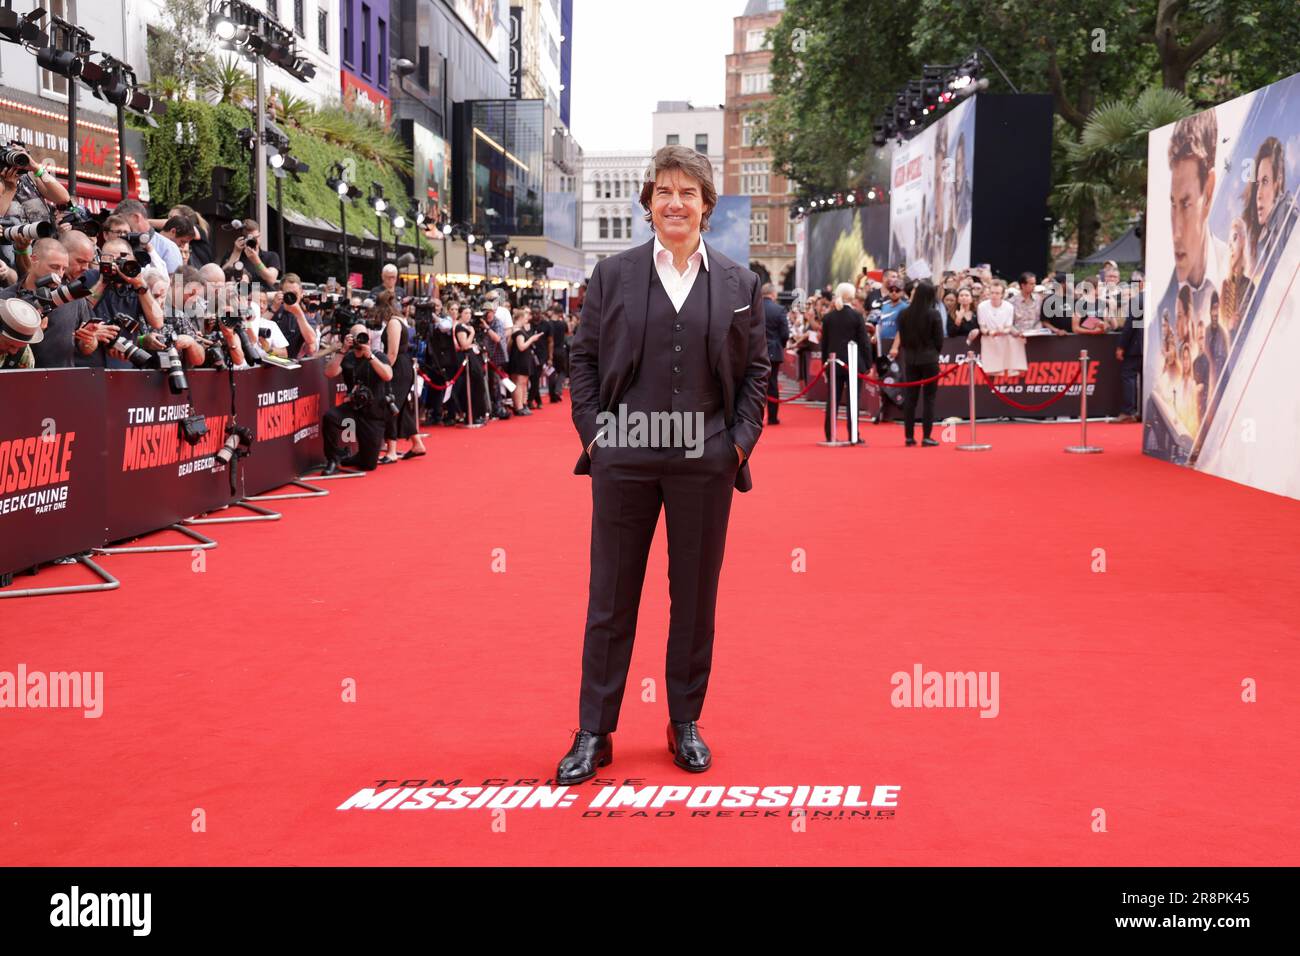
629, 487
928, 391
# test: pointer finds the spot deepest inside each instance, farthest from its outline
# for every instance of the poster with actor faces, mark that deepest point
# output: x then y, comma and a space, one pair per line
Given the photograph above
1222, 323
930, 201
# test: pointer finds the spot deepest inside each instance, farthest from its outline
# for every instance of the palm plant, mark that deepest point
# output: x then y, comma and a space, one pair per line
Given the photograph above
226, 81
1108, 163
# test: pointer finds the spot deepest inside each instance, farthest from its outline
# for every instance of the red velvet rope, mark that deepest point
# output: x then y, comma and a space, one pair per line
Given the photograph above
1028, 408
434, 385
811, 383
922, 381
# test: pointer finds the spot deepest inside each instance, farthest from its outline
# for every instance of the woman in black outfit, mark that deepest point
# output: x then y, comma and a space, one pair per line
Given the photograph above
520, 364
397, 344
962, 320
920, 333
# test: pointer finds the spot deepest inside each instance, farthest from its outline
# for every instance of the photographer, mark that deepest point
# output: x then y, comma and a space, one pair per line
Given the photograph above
56, 348
28, 193
291, 318
185, 317
367, 374
260, 266
162, 252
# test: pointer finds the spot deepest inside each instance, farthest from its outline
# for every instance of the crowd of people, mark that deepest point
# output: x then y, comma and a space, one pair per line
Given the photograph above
122, 290
984, 309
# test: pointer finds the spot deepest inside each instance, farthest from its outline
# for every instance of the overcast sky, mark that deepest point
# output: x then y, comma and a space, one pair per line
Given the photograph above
629, 54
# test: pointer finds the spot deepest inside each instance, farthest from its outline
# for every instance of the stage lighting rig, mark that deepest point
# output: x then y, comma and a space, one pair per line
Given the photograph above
24, 29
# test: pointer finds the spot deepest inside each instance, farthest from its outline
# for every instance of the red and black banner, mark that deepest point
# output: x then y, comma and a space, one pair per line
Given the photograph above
89, 457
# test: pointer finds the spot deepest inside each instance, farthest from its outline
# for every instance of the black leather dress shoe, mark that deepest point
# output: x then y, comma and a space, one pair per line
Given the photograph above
589, 751
688, 748
331, 466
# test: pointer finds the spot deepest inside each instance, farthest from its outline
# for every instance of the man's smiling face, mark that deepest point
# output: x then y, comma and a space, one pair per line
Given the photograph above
676, 207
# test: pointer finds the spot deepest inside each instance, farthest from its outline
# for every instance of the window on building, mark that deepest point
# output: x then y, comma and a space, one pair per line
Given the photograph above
755, 82
775, 5
365, 40
381, 65
789, 231
758, 227
749, 135
273, 9
618, 189
52, 82
348, 32
618, 228
702, 143
323, 29
627, 227
422, 67
300, 18
604, 227
755, 40
754, 178
673, 140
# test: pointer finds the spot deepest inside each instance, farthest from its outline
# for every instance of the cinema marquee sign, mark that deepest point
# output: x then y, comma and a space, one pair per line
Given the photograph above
45, 133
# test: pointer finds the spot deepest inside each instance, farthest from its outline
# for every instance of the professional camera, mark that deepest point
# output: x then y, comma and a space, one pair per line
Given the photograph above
137, 240
290, 297
362, 338
13, 156
235, 273
51, 292
169, 360
239, 442
360, 397
117, 271
14, 230
82, 220
129, 329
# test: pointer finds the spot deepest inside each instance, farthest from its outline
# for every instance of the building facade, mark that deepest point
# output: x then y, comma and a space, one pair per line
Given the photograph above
610, 199
702, 128
749, 170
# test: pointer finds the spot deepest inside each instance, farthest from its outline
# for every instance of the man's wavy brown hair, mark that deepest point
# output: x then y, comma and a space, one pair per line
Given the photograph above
693, 164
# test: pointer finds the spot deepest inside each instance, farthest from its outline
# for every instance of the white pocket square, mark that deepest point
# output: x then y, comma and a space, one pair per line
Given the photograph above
741, 309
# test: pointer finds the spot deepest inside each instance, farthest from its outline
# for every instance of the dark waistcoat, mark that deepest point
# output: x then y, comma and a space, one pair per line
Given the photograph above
674, 373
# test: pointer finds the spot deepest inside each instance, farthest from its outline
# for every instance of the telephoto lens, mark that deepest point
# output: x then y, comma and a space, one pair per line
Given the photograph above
169, 360
13, 231
363, 338
53, 294
227, 451
128, 327
290, 298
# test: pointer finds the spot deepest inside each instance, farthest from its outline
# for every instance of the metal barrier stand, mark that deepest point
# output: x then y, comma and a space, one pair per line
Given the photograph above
972, 445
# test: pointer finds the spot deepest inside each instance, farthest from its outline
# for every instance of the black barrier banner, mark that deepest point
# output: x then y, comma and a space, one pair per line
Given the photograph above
1053, 361
51, 465
153, 477
283, 407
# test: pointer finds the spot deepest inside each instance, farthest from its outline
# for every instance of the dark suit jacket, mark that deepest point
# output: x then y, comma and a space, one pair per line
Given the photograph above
841, 327
606, 350
778, 331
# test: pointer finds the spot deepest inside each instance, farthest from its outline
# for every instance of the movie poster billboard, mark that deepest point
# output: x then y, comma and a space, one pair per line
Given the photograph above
484, 21
1223, 317
930, 201
842, 242
432, 167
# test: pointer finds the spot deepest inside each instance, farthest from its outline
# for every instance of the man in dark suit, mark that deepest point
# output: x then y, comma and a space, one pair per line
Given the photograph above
777, 328
670, 329
840, 327
1129, 353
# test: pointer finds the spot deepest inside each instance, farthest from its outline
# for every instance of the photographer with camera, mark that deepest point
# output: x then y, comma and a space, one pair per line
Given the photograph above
366, 374
162, 252
259, 265
27, 188
120, 289
291, 318
62, 316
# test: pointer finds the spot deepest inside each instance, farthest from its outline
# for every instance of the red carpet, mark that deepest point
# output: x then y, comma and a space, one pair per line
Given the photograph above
1119, 691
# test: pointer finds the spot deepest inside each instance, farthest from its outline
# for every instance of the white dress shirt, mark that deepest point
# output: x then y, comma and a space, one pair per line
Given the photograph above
678, 284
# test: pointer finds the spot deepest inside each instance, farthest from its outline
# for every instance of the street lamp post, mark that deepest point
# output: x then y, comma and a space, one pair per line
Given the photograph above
379, 204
